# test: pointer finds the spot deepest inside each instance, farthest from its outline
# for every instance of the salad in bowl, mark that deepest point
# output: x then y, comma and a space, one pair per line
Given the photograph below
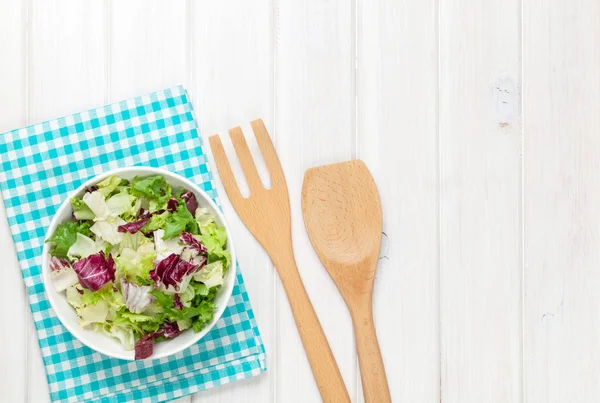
141, 261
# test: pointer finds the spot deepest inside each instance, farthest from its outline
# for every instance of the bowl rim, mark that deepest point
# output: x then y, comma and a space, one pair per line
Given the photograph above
144, 170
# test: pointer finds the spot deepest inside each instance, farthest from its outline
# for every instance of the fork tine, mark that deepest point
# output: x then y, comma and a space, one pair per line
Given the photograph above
224, 169
246, 160
268, 151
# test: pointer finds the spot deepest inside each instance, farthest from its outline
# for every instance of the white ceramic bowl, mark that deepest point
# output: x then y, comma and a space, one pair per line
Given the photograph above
98, 341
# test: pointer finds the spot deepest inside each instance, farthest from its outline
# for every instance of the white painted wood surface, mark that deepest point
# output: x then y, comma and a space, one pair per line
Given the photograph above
479, 120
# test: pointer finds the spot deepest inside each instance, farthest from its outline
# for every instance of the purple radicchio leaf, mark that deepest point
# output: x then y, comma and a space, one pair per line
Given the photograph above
172, 204
171, 271
177, 302
95, 271
171, 330
190, 201
143, 218
193, 244
144, 347
59, 263
133, 227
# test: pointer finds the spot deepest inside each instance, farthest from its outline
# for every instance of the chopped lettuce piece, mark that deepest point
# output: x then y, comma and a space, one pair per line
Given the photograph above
136, 263
75, 296
136, 296
108, 185
203, 218
92, 313
211, 274
154, 188
96, 201
123, 204
65, 235
132, 241
63, 275
179, 221
166, 248
214, 239
84, 246
157, 221
109, 230
80, 210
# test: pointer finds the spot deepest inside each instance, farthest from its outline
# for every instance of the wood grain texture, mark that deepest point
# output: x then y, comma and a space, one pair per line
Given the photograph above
480, 201
342, 215
314, 125
13, 303
561, 67
266, 213
148, 46
397, 139
232, 84
335, 80
67, 59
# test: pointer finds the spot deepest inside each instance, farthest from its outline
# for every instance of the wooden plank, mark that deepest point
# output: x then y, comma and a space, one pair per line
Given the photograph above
148, 47
67, 62
480, 200
232, 84
66, 75
561, 73
397, 139
13, 301
314, 125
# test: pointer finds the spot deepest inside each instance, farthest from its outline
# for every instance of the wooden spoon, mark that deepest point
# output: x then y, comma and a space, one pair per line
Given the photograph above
342, 214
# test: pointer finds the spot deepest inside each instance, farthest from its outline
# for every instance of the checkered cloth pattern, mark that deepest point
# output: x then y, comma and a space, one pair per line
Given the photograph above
41, 165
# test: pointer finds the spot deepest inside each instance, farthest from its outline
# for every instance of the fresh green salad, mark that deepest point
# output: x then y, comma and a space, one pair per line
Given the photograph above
140, 261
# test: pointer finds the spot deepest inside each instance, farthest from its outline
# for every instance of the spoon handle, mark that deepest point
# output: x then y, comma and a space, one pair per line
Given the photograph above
322, 362
372, 372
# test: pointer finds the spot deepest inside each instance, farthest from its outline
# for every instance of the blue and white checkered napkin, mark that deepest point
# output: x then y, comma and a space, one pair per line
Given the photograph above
41, 165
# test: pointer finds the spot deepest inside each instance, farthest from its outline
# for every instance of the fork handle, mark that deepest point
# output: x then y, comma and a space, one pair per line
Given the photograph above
322, 362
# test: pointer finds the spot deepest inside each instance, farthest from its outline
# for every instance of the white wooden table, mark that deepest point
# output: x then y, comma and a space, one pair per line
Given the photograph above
480, 121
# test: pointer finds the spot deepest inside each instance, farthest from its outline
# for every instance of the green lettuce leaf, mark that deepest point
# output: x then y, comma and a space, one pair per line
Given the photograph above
66, 235
157, 221
123, 204
155, 188
108, 185
211, 274
81, 211
215, 239
179, 221
85, 246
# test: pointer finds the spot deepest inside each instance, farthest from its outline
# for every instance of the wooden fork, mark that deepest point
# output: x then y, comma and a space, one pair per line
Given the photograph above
266, 213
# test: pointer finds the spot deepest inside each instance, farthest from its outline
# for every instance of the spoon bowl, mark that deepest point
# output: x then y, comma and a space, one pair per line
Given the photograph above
342, 215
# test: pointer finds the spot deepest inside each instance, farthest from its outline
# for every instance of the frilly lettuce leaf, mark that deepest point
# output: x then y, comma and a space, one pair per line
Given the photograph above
108, 185
179, 221
65, 236
80, 210
211, 274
